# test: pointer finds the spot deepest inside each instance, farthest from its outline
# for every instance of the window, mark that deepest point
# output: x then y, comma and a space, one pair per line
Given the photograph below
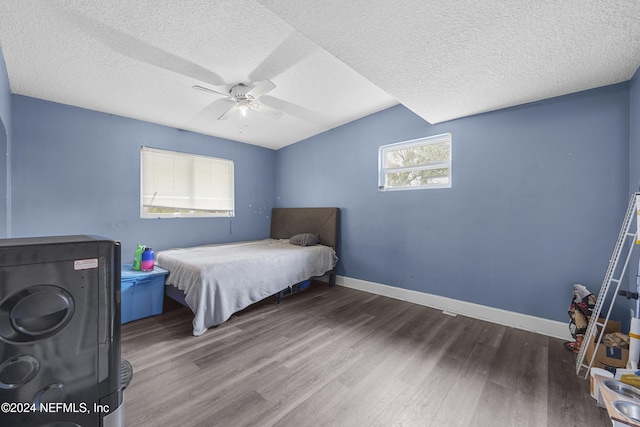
417, 164
184, 185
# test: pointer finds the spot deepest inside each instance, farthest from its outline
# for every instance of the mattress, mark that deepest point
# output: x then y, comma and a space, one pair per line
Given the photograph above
219, 280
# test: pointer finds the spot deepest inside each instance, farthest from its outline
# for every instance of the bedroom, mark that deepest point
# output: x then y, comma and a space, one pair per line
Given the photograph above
539, 192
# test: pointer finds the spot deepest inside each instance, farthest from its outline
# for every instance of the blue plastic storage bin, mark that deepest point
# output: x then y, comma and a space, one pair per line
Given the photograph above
142, 293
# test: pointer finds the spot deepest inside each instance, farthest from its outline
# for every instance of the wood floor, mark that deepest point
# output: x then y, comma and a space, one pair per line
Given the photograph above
341, 357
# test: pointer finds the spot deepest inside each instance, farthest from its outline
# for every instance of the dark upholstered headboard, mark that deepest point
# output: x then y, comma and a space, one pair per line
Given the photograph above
287, 222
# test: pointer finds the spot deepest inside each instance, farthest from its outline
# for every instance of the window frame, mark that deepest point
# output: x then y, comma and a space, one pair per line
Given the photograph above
418, 142
195, 212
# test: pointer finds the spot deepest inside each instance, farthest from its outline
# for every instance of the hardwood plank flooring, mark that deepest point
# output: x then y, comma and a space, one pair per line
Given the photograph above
342, 357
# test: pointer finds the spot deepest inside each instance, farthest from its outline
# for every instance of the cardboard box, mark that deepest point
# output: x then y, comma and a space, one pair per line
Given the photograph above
607, 356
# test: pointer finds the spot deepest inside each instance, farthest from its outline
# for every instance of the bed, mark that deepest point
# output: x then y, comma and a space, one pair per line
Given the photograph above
217, 280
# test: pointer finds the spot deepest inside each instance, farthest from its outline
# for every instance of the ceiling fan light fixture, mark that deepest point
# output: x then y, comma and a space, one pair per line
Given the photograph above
243, 97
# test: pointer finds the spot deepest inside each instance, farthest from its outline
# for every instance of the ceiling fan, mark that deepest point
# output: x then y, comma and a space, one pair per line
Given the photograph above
243, 98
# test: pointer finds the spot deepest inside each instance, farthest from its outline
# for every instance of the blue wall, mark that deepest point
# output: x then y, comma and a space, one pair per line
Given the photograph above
539, 193
5, 146
77, 171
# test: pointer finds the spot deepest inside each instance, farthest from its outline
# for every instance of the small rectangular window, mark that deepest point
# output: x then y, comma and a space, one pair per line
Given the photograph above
175, 184
416, 164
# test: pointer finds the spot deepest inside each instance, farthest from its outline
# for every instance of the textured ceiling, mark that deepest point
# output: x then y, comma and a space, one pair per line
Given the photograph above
140, 59
449, 59
332, 61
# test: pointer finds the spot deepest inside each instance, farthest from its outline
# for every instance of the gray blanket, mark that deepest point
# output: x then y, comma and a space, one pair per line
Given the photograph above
219, 280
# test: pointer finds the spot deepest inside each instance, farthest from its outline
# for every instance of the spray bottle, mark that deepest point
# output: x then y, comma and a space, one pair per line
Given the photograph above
137, 258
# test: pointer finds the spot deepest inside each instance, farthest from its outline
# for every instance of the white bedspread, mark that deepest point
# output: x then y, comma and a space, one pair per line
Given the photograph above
219, 280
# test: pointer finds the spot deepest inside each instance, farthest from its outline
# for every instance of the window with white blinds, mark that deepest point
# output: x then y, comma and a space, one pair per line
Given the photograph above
175, 184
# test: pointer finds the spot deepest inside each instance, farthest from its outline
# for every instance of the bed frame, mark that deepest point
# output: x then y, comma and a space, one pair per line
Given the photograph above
287, 222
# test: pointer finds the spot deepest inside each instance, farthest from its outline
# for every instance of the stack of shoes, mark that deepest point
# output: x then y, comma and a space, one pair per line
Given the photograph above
574, 345
580, 311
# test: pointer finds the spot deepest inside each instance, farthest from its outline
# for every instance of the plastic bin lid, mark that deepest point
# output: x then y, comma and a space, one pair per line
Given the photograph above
128, 272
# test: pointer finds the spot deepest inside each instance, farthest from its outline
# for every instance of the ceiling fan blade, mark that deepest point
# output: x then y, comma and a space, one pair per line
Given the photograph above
297, 111
291, 51
207, 90
211, 111
269, 111
260, 89
227, 113
125, 44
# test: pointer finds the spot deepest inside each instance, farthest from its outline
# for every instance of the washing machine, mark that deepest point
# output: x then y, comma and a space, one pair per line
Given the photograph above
60, 363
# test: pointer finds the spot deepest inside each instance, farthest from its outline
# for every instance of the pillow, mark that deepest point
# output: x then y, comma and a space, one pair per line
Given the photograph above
304, 239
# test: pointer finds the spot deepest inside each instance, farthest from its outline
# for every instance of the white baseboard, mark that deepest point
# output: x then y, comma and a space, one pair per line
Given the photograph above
526, 322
